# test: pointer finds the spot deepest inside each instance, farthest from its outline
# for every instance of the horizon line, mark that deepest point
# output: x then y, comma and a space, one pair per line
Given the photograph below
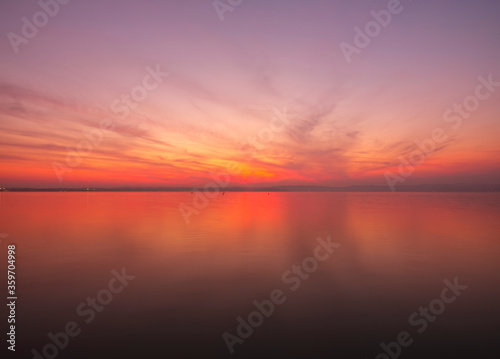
457, 187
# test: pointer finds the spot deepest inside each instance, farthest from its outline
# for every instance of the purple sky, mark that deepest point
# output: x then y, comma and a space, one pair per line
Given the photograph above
347, 123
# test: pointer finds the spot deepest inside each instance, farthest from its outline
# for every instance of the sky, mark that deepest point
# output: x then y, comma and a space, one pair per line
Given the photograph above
255, 93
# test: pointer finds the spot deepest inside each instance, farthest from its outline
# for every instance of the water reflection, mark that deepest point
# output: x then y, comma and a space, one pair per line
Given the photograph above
192, 281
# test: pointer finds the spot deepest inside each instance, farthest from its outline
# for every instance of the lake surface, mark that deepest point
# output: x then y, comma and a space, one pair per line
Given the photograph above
192, 281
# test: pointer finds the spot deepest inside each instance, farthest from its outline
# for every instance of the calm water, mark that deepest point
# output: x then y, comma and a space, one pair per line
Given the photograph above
193, 280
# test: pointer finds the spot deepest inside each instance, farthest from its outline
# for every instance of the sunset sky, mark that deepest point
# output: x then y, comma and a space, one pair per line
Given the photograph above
267, 89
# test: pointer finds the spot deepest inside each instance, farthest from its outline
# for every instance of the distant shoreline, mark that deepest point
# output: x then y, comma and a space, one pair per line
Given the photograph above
403, 188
